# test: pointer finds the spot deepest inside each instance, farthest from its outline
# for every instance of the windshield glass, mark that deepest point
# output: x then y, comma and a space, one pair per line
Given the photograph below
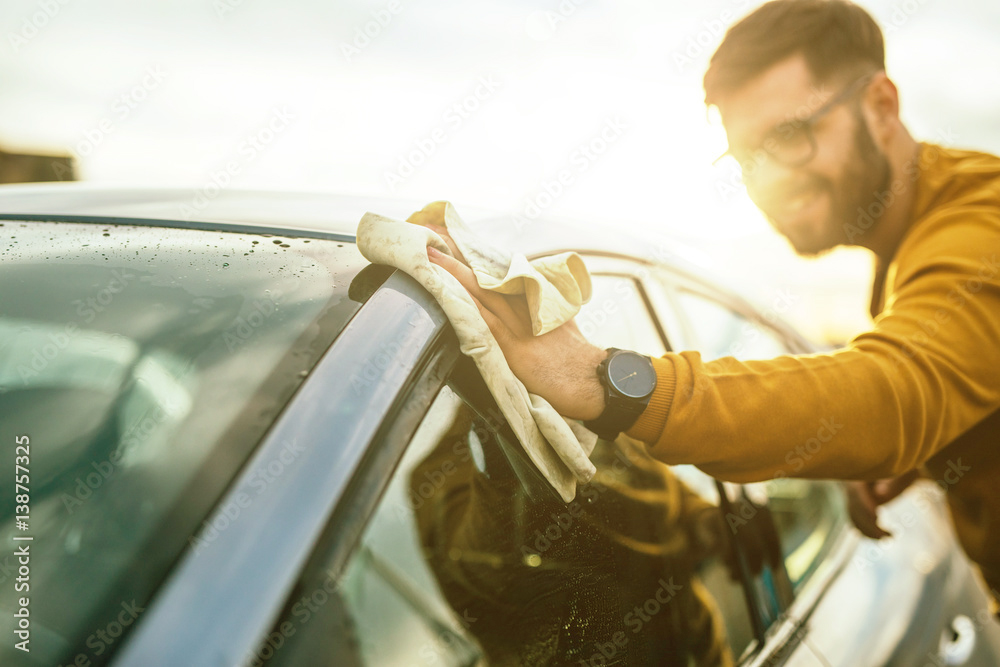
139, 366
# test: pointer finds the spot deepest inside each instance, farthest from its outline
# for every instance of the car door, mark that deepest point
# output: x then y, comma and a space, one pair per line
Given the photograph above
450, 550
467, 557
808, 515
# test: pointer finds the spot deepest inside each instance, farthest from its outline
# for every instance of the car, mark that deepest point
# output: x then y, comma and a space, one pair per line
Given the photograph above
240, 443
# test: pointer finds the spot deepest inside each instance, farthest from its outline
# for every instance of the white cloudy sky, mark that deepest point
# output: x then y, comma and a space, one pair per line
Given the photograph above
76, 77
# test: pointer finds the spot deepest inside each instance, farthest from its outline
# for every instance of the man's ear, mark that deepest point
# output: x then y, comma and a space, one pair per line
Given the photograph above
880, 105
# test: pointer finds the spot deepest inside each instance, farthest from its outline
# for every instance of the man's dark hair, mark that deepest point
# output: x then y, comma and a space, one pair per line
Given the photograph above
838, 39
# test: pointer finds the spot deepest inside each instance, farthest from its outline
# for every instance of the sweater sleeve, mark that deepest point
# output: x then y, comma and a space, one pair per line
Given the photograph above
927, 371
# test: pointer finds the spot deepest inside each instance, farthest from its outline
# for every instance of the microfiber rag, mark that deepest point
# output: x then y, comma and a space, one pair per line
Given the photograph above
554, 288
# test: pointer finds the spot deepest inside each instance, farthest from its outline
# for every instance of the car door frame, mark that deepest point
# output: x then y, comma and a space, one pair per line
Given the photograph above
224, 598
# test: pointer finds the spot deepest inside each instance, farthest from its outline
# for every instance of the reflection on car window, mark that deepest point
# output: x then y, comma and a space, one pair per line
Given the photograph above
459, 566
722, 332
139, 361
617, 316
809, 516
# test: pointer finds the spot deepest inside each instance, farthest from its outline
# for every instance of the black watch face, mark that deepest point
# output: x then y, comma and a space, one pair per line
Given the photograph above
632, 374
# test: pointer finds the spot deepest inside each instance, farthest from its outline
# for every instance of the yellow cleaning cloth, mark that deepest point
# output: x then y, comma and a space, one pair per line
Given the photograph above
554, 288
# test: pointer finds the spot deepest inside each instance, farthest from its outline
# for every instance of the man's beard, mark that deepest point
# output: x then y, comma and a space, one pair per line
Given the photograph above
867, 174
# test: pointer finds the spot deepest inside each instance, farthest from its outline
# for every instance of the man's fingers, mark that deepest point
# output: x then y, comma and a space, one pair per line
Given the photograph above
885, 490
863, 510
458, 269
867, 523
467, 278
446, 237
516, 316
495, 303
869, 527
500, 331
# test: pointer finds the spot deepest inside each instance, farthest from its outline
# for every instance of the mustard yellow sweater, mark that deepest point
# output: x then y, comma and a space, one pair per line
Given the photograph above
921, 389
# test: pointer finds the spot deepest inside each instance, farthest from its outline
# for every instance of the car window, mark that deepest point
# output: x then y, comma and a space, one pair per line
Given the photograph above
617, 316
141, 365
721, 331
808, 514
460, 565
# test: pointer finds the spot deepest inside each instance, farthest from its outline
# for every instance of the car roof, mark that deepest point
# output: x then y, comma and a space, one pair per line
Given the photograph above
277, 210
321, 212
336, 216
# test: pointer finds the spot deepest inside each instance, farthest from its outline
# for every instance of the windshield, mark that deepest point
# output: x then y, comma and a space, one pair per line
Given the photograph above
139, 366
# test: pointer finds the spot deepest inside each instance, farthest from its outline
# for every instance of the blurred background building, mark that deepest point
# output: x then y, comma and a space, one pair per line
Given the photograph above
483, 103
34, 168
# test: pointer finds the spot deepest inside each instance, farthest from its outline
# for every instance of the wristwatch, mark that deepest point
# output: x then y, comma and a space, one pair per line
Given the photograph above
628, 379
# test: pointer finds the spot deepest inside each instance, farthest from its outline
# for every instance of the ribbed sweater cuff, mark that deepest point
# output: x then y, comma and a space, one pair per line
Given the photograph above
652, 420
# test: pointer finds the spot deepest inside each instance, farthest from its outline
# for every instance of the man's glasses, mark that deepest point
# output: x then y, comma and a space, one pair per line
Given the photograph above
793, 142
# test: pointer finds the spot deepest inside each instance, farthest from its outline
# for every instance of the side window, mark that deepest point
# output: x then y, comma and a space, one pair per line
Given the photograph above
808, 515
722, 332
617, 316
460, 565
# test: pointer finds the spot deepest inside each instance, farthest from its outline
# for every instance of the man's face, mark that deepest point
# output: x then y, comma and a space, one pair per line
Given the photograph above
809, 204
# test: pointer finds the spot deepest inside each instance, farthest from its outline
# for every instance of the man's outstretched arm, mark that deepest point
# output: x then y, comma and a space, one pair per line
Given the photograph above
894, 397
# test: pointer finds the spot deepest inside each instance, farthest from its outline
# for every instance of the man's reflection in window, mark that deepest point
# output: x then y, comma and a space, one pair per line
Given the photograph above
607, 579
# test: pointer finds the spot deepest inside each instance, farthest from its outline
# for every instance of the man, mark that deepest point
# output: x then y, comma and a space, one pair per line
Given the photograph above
919, 394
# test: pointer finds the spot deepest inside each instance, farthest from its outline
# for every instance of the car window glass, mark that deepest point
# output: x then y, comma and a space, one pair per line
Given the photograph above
617, 316
141, 364
807, 514
458, 565
722, 332
749, 527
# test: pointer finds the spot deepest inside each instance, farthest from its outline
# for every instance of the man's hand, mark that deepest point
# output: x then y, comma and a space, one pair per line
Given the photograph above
863, 499
560, 366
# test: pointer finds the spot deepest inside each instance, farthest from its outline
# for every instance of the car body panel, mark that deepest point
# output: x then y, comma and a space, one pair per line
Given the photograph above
903, 593
287, 212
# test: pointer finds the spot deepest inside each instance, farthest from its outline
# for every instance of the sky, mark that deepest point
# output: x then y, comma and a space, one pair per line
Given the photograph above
581, 109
